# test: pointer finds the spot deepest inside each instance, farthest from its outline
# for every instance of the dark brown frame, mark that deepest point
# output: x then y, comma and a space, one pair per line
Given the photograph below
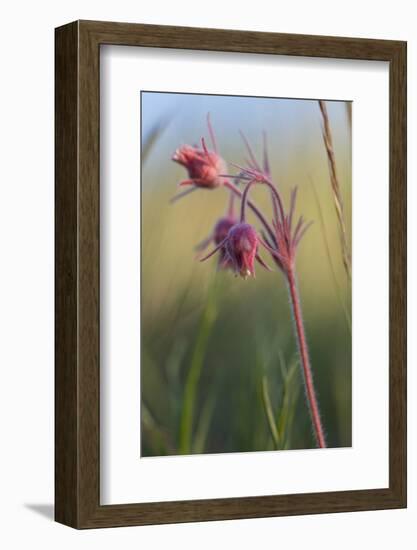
77, 274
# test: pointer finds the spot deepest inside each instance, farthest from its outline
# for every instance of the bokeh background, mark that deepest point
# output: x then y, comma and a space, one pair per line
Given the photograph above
219, 365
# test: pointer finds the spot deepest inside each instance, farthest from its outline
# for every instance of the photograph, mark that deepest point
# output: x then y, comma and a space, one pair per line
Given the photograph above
245, 276
209, 256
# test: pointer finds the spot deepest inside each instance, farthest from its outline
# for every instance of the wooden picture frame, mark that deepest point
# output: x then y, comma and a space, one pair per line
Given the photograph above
77, 374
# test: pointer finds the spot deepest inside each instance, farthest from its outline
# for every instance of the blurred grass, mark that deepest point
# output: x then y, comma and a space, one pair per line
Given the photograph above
192, 379
269, 413
287, 411
209, 340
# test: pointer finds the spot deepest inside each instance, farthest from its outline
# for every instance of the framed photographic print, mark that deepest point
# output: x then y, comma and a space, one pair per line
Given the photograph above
230, 274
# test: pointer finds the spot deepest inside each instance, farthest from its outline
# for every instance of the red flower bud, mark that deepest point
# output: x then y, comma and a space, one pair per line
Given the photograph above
242, 249
221, 230
238, 250
204, 167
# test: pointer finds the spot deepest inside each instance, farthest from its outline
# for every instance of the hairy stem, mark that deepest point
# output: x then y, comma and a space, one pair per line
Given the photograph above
255, 210
305, 360
244, 200
231, 206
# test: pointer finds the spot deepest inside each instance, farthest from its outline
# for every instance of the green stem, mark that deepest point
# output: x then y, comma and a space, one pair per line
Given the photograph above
269, 413
193, 377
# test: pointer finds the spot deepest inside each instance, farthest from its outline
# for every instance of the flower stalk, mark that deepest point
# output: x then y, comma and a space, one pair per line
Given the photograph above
287, 260
237, 242
305, 360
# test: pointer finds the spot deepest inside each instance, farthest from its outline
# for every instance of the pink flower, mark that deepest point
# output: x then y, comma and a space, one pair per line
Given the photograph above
219, 234
282, 239
204, 167
240, 249
221, 230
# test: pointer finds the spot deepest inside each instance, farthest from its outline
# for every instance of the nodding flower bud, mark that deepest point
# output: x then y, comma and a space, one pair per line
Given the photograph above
242, 249
238, 250
204, 167
221, 230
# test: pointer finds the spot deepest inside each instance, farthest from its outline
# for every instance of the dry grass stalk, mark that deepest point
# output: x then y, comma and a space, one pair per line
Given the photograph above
338, 290
337, 195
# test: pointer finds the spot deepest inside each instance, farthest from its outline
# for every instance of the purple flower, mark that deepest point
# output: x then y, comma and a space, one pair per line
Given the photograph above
219, 234
204, 167
282, 239
240, 249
